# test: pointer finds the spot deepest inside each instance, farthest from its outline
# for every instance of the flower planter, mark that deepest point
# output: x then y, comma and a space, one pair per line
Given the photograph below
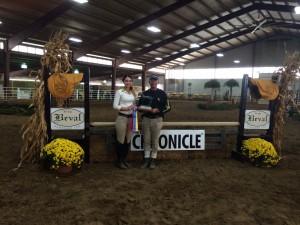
64, 169
259, 152
61, 152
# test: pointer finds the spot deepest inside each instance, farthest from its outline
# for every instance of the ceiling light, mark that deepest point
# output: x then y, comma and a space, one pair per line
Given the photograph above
297, 9
75, 39
181, 64
24, 66
154, 29
194, 45
236, 61
158, 58
220, 54
0, 22
76, 71
81, 1
125, 51
139, 77
33, 44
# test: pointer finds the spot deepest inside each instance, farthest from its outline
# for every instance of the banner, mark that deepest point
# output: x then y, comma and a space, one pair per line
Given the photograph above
173, 140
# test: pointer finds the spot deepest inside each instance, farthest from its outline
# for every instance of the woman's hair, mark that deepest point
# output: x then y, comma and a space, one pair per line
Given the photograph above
131, 88
127, 76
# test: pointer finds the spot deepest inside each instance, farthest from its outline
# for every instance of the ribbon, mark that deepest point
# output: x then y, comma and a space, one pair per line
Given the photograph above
134, 125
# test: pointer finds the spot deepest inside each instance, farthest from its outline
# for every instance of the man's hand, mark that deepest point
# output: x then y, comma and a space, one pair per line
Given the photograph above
155, 110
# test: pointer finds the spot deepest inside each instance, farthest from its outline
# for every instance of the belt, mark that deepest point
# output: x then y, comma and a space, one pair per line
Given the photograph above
125, 115
152, 117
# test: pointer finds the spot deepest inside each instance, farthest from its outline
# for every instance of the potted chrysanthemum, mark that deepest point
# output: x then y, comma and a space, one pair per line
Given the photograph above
260, 152
62, 154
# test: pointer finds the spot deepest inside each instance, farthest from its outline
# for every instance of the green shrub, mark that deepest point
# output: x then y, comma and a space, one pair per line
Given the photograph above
15, 109
296, 116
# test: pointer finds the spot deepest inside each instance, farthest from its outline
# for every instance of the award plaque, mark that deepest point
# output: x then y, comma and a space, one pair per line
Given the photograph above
146, 103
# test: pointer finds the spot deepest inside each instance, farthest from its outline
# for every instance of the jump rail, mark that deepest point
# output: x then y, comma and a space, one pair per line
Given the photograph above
220, 139
178, 124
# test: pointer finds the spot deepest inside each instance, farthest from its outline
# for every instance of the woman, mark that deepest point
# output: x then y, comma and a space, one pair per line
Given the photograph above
124, 102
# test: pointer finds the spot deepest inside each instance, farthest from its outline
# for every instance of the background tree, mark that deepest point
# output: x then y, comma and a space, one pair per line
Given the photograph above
213, 84
231, 83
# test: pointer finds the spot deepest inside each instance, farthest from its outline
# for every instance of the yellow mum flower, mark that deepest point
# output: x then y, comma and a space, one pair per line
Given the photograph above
62, 151
260, 152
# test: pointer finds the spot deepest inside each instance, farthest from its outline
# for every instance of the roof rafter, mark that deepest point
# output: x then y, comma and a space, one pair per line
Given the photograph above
38, 24
104, 40
180, 54
256, 6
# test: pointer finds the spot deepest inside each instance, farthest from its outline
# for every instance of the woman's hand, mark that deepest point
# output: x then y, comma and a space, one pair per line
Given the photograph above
131, 107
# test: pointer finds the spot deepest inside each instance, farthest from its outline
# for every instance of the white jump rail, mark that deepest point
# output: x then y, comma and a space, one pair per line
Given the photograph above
178, 124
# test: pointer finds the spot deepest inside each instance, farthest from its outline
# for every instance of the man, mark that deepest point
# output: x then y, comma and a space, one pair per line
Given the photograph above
154, 104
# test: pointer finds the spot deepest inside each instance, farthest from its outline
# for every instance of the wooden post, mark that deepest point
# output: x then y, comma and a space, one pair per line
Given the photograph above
243, 103
237, 154
7, 67
143, 78
47, 102
113, 75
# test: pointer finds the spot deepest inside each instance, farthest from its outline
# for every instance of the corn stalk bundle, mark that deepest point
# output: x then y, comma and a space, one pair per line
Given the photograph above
57, 58
285, 77
34, 131
56, 55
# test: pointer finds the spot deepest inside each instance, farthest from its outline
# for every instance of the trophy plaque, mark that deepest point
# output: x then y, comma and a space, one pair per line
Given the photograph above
146, 103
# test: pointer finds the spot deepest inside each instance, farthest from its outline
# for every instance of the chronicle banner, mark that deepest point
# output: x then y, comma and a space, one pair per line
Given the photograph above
173, 140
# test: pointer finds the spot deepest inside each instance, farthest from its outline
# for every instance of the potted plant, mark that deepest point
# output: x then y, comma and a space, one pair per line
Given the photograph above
62, 154
260, 152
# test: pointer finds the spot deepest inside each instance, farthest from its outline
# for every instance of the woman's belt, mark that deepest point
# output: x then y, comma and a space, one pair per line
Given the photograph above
125, 115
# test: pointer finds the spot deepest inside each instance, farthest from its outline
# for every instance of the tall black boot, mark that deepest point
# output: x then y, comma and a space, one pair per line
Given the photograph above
120, 153
152, 163
125, 153
146, 163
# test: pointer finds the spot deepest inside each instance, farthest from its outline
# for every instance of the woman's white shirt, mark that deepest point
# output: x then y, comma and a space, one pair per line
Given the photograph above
123, 99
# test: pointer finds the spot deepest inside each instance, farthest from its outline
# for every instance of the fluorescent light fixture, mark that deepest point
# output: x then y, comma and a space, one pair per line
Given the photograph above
154, 29
24, 79
297, 9
220, 54
24, 66
158, 58
125, 51
236, 61
193, 45
28, 43
75, 39
81, 1
181, 64
76, 71
100, 56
